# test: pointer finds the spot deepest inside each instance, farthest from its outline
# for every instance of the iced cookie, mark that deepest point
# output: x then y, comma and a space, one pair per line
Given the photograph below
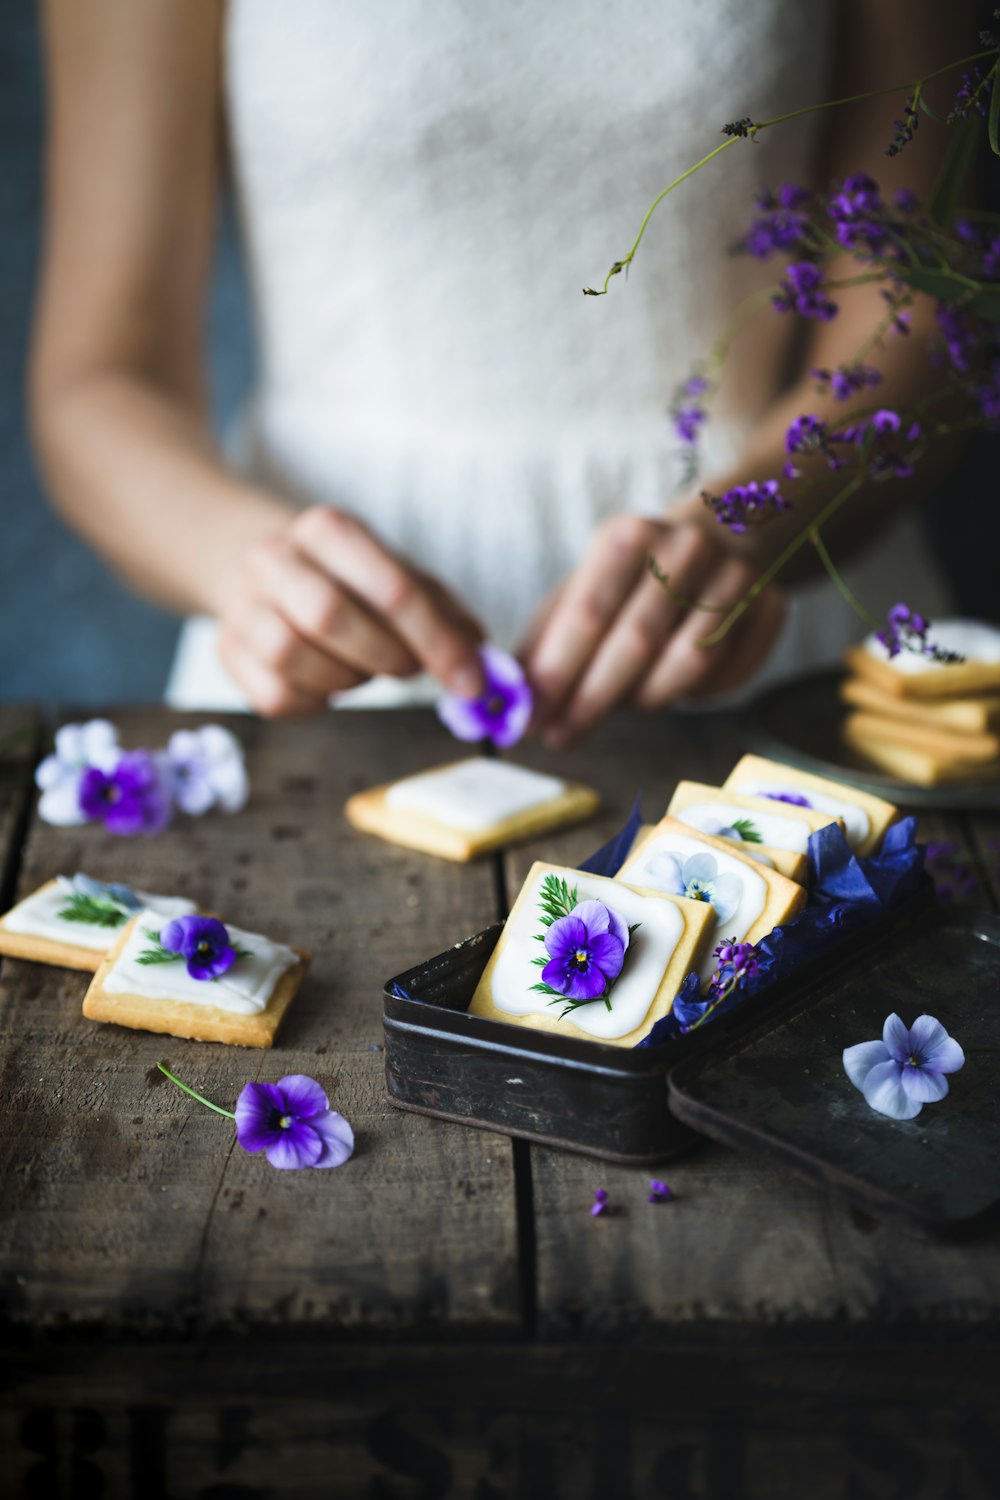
747, 900
909, 762
73, 922
946, 743
468, 808
864, 816
960, 715
788, 862
194, 977
591, 958
910, 675
748, 820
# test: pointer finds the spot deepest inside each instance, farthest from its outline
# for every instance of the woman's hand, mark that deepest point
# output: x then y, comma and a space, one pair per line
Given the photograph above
612, 635
322, 605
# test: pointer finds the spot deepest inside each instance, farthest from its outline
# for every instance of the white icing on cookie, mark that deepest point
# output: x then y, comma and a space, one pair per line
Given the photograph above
857, 824
649, 953
245, 989
973, 639
666, 855
38, 916
777, 831
475, 795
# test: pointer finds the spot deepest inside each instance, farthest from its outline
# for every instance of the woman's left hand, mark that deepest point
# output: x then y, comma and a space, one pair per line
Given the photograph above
611, 635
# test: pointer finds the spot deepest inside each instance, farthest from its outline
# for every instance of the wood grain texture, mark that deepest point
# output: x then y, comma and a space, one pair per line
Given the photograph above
128, 1205
18, 750
743, 1244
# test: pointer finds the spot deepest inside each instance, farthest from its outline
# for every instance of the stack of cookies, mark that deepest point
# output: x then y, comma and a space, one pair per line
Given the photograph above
923, 721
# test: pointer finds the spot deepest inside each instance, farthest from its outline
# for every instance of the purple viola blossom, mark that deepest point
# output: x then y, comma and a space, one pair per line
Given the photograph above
131, 798
795, 799
501, 713
58, 777
207, 770
586, 951
747, 504
859, 215
292, 1123
906, 1069
736, 962
203, 942
802, 291
904, 630
659, 1192
600, 1203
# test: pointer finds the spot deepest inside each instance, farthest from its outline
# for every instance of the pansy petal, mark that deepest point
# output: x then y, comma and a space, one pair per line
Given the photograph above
884, 1092
608, 953
701, 868
663, 873
255, 1113
303, 1096
947, 1058
297, 1146
897, 1038
565, 936
336, 1137
594, 915
59, 804
726, 895
618, 927
926, 1035
584, 984
463, 716
923, 1085
506, 731
500, 667
859, 1060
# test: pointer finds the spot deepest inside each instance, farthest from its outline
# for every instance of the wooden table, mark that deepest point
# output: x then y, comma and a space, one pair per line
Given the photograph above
442, 1317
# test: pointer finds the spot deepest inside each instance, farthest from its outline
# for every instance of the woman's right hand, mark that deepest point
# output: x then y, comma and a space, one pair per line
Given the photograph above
322, 605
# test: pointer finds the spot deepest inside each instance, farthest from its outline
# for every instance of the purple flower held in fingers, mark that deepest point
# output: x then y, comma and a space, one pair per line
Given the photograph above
203, 942
292, 1123
906, 1069
586, 951
132, 797
501, 713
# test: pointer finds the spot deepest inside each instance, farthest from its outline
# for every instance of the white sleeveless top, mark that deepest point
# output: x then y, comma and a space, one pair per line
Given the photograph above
423, 191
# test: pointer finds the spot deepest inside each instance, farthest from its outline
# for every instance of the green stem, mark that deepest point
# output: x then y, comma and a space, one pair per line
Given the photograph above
200, 1097
895, 88
840, 582
779, 562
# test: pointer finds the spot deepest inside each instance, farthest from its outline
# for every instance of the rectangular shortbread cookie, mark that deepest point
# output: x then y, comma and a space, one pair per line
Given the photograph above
774, 825
921, 767
788, 862
747, 899
947, 744
195, 1020
83, 946
962, 715
865, 816
670, 942
470, 807
955, 680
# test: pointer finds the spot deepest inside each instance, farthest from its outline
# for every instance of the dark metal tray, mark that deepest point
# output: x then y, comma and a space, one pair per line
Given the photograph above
779, 1089
608, 1102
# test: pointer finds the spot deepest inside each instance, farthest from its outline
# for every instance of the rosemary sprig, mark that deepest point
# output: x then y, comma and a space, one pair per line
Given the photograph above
96, 911
747, 830
156, 954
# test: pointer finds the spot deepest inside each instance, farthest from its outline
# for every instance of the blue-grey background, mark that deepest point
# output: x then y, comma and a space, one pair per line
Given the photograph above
71, 632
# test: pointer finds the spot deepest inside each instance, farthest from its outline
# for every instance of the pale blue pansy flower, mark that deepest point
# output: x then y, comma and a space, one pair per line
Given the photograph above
906, 1069
698, 878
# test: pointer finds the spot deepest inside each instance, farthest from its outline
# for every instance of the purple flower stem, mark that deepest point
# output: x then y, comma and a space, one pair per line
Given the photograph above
200, 1097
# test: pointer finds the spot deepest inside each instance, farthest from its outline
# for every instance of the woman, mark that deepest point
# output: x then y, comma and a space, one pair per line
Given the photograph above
446, 438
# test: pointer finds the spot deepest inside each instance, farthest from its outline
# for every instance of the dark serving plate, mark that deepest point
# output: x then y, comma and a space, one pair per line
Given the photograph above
799, 722
766, 1078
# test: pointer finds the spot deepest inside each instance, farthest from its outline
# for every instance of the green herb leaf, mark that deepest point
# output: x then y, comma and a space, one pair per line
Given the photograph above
156, 954
96, 911
747, 830
993, 124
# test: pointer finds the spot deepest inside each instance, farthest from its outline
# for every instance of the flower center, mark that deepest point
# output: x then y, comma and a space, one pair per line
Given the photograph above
285, 1121
204, 949
913, 1061
110, 792
495, 706
698, 892
581, 958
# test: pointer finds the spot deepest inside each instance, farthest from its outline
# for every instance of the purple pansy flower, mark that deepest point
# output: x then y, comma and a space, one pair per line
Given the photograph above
77, 747
132, 797
906, 1069
292, 1123
794, 799
659, 1192
203, 941
207, 770
501, 713
586, 951
600, 1203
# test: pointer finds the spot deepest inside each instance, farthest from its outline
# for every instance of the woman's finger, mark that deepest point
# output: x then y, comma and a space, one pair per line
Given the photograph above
275, 643
587, 607
266, 691
323, 612
349, 553
751, 648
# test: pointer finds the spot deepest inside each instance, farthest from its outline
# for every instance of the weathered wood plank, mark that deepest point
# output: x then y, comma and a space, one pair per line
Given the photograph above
125, 1204
743, 1243
820, 1420
18, 745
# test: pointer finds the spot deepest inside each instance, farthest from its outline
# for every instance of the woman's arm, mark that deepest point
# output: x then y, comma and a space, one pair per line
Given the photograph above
117, 382
611, 634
